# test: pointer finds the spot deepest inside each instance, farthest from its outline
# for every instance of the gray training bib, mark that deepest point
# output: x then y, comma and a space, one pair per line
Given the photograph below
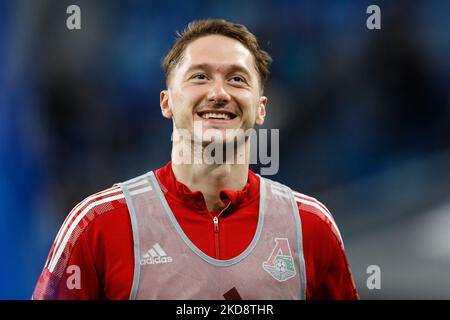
169, 266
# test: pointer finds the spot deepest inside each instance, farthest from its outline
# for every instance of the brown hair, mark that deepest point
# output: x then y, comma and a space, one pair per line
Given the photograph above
200, 28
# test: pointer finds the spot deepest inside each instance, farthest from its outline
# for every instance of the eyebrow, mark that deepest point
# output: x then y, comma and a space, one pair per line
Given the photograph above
229, 67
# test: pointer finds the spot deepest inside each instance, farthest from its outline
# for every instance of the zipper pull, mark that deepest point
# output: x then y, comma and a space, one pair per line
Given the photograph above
216, 224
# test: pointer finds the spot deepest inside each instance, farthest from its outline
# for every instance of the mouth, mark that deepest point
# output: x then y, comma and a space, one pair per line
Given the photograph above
216, 115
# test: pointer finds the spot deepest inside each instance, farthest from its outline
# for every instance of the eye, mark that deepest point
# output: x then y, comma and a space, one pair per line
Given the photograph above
238, 79
199, 76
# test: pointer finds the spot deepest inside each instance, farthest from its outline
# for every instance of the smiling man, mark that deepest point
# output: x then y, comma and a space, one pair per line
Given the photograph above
196, 229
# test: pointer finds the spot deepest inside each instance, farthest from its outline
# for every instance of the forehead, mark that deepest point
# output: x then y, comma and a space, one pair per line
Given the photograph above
217, 50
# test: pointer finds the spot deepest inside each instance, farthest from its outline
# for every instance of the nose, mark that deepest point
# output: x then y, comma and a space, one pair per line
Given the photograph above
218, 93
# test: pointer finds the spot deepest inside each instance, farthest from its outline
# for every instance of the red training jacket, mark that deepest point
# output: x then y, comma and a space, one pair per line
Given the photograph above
96, 241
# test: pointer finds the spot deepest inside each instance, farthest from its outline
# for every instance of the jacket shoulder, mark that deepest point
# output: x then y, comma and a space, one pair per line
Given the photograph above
308, 205
77, 221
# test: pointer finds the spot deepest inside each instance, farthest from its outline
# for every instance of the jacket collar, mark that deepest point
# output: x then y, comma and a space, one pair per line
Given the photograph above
175, 189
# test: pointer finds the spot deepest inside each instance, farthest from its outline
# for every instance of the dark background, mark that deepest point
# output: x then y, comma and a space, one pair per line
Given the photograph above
364, 119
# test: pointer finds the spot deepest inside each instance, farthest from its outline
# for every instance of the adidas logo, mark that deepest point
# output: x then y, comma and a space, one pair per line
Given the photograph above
155, 255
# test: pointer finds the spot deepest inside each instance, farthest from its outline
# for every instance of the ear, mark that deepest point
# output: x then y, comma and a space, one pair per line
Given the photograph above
261, 113
166, 110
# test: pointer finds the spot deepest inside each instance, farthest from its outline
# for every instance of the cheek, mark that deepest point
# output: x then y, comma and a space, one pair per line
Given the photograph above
176, 99
188, 98
253, 107
246, 101
177, 104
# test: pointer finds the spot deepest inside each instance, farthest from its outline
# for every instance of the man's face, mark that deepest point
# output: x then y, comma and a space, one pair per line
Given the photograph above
216, 86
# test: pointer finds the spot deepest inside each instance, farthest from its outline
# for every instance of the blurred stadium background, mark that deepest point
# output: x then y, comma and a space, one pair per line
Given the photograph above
364, 119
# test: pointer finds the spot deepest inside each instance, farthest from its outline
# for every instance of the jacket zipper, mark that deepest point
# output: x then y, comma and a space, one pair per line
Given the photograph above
216, 230
216, 235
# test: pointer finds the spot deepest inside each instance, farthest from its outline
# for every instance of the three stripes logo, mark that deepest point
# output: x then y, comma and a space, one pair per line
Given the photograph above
155, 255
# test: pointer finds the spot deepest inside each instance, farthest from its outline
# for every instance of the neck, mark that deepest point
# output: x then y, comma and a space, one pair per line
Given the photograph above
210, 179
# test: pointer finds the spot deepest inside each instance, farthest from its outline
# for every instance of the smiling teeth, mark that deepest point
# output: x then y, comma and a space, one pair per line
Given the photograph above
216, 116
